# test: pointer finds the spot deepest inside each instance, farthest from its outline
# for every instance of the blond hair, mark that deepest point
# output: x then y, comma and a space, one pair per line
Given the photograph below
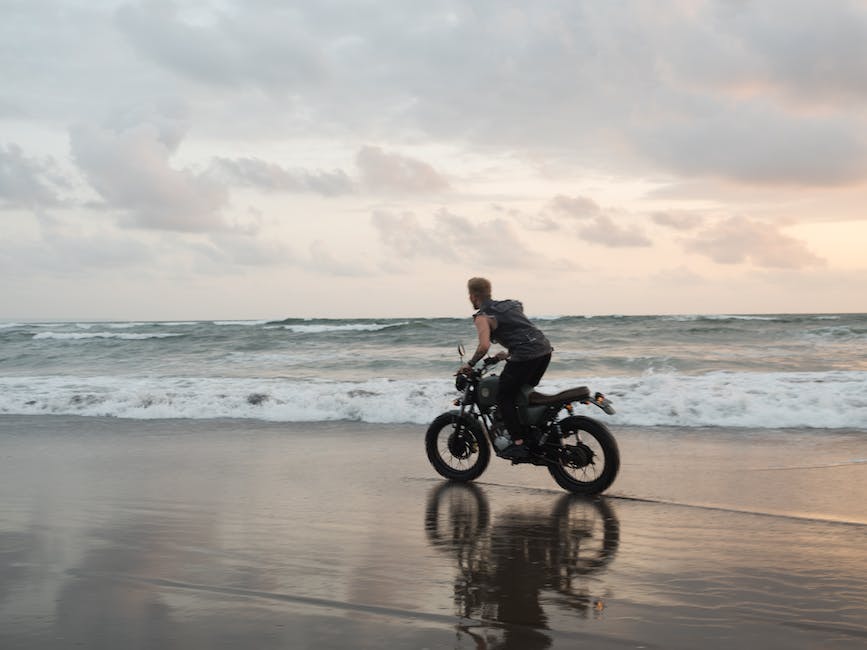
480, 287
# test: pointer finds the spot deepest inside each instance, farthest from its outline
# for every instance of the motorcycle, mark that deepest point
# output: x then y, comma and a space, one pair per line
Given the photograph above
579, 452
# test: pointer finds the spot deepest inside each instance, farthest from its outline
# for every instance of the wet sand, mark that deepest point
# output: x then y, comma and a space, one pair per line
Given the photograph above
195, 534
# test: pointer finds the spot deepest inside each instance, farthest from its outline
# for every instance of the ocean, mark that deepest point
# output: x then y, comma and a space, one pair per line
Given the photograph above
766, 372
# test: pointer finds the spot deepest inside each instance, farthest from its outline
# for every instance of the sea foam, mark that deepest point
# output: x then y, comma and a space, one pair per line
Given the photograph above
315, 328
124, 336
751, 400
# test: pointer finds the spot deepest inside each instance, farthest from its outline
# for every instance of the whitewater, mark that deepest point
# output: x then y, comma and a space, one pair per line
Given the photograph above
763, 371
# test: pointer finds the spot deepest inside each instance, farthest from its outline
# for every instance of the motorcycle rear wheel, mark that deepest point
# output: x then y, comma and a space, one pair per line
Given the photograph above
589, 458
456, 447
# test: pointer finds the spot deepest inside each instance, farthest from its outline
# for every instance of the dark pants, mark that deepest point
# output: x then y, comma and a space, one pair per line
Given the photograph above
515, 375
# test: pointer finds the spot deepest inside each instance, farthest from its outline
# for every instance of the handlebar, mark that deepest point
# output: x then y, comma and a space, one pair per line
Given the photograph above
487, 362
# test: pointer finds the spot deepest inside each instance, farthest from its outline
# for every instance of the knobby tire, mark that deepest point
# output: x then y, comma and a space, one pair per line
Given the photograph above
588, 480
437, 444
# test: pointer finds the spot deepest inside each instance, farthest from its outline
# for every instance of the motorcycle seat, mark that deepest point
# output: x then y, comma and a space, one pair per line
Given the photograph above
579, 394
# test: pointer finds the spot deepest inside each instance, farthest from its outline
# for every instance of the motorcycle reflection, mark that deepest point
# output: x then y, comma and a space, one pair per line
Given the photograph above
504, 568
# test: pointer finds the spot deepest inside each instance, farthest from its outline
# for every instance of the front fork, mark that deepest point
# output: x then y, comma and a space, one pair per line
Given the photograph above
468, 407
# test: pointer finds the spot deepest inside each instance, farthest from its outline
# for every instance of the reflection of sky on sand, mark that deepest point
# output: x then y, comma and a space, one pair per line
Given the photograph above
180, 535
273, 516
787, 472
741, 579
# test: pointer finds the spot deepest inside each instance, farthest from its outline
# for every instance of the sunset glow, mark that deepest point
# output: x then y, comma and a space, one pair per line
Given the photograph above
236, 160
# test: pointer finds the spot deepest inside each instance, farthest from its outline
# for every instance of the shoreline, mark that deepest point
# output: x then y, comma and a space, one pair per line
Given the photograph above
188, 534
229, 422
807, 474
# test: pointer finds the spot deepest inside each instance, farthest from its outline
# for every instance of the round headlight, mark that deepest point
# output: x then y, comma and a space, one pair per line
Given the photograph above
461, 381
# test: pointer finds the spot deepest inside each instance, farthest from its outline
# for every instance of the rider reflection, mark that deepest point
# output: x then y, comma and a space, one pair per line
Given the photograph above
505, 568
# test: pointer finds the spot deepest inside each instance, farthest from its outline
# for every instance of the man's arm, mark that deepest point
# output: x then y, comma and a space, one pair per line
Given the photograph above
483, 328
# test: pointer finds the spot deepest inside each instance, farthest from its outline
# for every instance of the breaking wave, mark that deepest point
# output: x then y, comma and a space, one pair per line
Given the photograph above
751, 400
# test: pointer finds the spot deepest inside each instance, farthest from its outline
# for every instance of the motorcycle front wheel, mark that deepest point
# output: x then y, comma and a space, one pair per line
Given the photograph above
456, 447
588, 460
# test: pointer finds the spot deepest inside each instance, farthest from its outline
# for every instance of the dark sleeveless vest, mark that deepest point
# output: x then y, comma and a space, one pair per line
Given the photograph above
514, 331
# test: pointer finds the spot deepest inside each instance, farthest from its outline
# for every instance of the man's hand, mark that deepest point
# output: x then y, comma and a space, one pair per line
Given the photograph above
502, 355
465, 369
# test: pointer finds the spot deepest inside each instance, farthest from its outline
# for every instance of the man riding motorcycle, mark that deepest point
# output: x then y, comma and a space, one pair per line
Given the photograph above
528, 356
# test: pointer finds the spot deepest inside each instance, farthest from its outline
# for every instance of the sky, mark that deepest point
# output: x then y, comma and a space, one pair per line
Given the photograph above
218, 159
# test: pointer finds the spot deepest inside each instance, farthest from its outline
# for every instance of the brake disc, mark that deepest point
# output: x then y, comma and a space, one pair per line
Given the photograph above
461, 445
579, 455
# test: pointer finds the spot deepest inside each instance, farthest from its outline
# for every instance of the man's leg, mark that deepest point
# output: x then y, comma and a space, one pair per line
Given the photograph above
540, 365
511, 380
515, 375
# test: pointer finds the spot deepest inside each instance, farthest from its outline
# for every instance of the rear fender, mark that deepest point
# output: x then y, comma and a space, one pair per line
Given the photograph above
577, 422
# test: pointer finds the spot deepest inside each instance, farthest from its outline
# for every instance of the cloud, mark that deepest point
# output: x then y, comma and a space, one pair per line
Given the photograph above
392, 172
451, 237
495, 239
736, 240
26, 181
233, 251
579, 207
679, 276
405, 236
257, 173
268, 46
69, 254
763, 93
130, 169
380, 171
322, 260
699, 90
813, 53
538, 221
600, 227
677, 220
238, 249
606, 232
97, 252
759, 145
10, 110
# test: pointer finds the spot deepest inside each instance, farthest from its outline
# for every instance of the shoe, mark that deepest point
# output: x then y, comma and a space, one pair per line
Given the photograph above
515, 452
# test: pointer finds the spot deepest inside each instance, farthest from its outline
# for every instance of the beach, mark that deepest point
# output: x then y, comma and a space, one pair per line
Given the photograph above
243, 255
119, 533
